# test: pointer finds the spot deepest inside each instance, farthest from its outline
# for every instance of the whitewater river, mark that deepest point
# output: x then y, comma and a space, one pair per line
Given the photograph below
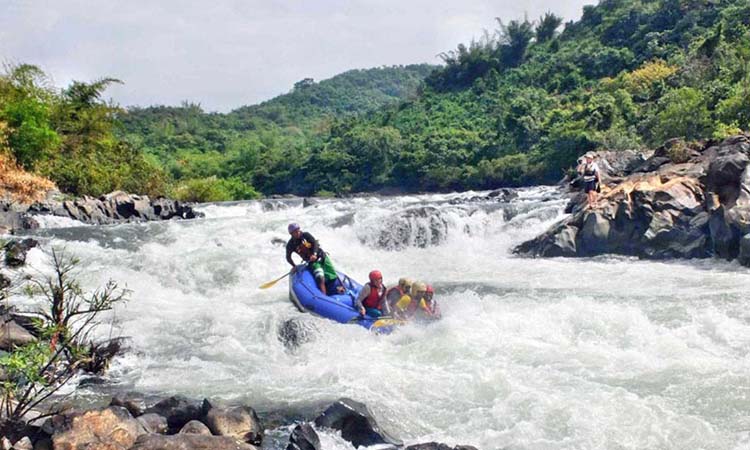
602, 353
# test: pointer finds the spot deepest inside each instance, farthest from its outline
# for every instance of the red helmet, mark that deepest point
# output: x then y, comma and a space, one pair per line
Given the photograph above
375, 275
430, 290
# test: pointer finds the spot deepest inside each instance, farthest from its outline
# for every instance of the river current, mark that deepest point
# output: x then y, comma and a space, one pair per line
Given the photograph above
599, 353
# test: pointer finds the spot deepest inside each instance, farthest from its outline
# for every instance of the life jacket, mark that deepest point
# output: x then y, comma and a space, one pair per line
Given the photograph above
391, 299
372, 300
304, 249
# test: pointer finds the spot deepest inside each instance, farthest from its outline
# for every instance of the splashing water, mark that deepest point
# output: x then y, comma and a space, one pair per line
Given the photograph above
600, 353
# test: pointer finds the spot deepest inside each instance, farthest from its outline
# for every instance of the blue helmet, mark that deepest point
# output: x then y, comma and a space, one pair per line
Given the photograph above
292, 227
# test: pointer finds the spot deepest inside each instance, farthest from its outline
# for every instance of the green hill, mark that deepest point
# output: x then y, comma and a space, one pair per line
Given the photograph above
225, 156
519, 106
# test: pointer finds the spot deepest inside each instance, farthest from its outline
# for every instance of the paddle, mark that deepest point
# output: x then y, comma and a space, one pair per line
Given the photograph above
272, 282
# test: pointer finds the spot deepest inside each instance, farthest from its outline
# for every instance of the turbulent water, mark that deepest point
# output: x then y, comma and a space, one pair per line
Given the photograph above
602, 353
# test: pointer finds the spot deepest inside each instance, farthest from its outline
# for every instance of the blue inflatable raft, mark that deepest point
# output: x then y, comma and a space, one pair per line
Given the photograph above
306, 296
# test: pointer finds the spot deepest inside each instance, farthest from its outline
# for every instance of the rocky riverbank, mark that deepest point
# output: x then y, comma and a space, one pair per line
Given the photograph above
115, 207
177, 423
681, 201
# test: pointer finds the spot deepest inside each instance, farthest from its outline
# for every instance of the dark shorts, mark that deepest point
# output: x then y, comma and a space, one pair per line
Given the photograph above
589, 186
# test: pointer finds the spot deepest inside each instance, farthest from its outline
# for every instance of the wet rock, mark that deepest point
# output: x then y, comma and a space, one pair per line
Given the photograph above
503, 195
240, 422
112, 428
435, 446
15, 251
132, 401
303, 437
309, 201
356, 423
594, 235
178, 410
12, 334
5, 282
115, 207
422, 227
153, 423
278, 241
195, 427
295, 332
23, 444
188, 442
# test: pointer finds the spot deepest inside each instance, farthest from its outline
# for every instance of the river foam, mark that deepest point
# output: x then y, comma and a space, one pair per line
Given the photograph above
600, 353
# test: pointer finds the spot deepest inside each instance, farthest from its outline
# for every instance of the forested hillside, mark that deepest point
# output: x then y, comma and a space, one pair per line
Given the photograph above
517, 107
66, 136
215, 156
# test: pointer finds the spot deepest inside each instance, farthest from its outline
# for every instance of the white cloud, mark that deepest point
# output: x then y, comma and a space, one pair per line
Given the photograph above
234, 52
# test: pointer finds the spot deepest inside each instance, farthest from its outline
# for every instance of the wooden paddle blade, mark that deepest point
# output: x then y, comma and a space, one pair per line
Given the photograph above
271, 283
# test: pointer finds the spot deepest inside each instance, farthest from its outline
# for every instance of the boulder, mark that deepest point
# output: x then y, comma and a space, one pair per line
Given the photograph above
239, 422
744, 253
15, 251
295, 332
12, 334
153, 423
422, 227
23, 444
178, 411
355, 422
112, 428
133, 402
303, 437
195, 427
594, 236
438, 446
188, 442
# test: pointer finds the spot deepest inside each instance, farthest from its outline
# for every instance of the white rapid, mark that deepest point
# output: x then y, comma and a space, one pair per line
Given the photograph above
602, 353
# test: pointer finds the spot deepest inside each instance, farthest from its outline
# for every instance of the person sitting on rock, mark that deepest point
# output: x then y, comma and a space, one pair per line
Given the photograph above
408, 304
307, 247
371, 299
589, 170
428, 307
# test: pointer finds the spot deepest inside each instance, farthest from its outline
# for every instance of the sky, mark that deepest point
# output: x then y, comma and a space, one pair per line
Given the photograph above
229, 53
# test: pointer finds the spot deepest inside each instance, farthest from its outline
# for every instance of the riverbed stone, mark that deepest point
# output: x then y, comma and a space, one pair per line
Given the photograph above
153, 423
239, 422
356, 423
303, 437
195, 427
12, 334
132, 401
16, 251
189, 442
744, 254
112, 428
178, 410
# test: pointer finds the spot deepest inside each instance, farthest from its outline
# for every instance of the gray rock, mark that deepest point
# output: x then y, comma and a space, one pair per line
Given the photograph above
12, 334
744, 253
23, 444
133, 402
15, 251
178, 410
240, 422
195, 427
303, 437
189, 442
112, 426
356, 423
295, 332
594, 235
153, 423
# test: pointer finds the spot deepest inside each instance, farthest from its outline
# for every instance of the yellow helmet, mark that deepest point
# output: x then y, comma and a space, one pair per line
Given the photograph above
418, 286
404, 283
